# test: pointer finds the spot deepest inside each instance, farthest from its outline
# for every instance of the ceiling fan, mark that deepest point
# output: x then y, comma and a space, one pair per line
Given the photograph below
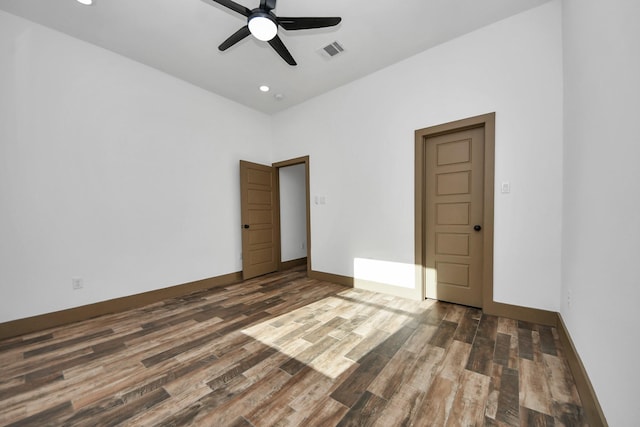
262, 23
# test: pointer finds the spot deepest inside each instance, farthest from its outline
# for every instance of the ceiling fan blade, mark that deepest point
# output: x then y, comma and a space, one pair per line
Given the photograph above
279, 47
307, 23
234, 6
235, 38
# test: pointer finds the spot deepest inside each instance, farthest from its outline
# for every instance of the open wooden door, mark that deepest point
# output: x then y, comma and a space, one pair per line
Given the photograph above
260, 250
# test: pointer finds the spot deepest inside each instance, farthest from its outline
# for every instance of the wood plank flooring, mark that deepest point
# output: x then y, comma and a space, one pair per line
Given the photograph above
286, 350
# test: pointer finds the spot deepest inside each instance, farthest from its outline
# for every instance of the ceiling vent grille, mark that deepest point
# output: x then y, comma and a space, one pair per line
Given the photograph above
332, 50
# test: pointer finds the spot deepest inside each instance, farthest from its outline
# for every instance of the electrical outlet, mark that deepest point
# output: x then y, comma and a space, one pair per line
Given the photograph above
76, 283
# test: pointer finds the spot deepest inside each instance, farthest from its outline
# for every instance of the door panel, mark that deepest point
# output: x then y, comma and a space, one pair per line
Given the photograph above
452, 244
453, 274
257, 202
453, 183
453, 213
454, 205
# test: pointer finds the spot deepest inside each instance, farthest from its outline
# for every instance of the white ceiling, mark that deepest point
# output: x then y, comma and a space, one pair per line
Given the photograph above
180, 37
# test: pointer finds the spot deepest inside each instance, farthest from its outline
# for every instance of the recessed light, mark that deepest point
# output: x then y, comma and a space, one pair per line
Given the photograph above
264, 88
85, 2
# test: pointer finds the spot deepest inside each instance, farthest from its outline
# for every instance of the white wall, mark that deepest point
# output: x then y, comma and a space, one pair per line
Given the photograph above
112, 172
601, 226
293, 212
362, 152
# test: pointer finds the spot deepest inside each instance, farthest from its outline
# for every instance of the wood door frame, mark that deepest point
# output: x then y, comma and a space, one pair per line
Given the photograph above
487, 122
277, 166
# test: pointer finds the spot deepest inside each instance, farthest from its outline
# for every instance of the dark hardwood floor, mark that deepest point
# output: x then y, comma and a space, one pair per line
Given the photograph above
285, 350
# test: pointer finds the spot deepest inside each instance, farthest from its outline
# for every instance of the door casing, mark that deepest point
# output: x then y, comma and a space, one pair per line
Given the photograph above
487, 122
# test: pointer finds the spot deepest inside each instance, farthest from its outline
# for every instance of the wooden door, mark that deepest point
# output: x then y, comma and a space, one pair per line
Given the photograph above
454, 208
258, 214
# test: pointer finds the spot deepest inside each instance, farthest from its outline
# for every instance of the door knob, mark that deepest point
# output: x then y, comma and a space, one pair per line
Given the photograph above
245, 226
477, 227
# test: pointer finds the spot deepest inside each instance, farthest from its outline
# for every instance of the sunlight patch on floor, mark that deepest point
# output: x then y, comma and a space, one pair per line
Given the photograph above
330, 335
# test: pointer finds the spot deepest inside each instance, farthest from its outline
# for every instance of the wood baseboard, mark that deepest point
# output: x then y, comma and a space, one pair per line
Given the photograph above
49, 320
525, 314
286, 265
330, 277
595, 415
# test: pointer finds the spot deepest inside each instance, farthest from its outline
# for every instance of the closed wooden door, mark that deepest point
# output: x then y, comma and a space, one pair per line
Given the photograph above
454, 207
258, 214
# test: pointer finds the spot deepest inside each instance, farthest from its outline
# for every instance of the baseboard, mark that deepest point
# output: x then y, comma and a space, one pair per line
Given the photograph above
533, 315
286, 265
49, 320
330, 277
526, 314
593, 410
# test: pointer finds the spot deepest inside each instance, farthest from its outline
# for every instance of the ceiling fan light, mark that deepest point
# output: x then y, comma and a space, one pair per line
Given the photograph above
262, 27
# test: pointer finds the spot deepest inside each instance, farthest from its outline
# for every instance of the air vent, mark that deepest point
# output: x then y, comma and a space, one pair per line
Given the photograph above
332, 50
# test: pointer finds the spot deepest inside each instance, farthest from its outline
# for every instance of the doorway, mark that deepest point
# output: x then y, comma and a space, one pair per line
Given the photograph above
261, 216
454, 177
293, 214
